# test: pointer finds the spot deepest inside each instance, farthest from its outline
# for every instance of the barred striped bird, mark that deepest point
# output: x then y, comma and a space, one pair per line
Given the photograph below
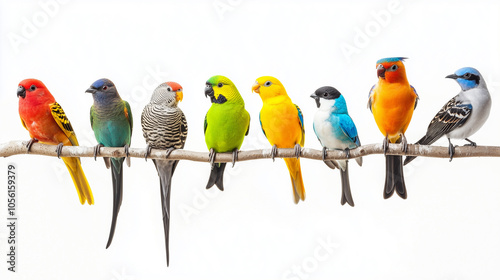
164, 126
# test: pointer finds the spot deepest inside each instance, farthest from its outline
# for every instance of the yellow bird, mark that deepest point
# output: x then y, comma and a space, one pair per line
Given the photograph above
283, 125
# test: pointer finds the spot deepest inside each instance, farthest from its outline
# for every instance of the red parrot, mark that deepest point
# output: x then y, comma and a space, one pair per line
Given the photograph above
47, 123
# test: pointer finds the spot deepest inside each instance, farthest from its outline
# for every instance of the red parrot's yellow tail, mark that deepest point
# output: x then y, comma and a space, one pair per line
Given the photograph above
299, 192
82, 185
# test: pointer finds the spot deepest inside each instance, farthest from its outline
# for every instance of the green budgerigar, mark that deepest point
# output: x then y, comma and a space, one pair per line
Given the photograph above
226, 124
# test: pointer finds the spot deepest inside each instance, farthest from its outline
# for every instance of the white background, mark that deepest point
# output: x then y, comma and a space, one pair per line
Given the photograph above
448, 228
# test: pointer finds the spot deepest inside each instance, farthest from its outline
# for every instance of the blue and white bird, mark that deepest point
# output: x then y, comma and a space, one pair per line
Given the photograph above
336, 130
463, 115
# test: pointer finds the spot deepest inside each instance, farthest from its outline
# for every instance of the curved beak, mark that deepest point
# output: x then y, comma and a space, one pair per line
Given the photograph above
316, 98
179, 95
381, 72
452, 76
256, 87
21, 92
209, 90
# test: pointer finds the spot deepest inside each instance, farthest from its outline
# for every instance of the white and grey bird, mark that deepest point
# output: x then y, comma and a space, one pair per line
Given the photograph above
164, 126
463, 115
336, 130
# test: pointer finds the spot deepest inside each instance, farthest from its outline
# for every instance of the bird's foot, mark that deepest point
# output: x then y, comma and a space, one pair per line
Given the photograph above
30, 143
235, 156
169, 151
347, 153
127, 154
323, 156
404, 143
451, 149
59, 149
97, 150
211, 157
298, 150
385, 145
148, 152
274, 151
471, 143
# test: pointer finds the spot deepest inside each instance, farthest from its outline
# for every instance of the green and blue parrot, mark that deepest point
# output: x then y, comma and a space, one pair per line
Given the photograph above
226, 124
112, 122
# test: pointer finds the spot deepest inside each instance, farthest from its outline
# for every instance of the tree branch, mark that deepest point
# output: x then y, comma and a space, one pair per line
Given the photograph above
19, 147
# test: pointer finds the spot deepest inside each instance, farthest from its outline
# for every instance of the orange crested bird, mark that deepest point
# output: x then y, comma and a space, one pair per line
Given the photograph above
392, 101
47, 123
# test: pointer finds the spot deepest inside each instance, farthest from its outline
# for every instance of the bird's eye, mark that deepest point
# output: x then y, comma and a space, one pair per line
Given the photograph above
169, 89
394, 67
268, 83
32, 88
219, 84
467, 75
325, 94
104, 87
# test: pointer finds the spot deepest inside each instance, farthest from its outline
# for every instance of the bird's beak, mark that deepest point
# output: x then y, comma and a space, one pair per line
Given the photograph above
316, 98
256, 87
21, 92
209, 90
381, 72
91, 90
179, 95
452, 76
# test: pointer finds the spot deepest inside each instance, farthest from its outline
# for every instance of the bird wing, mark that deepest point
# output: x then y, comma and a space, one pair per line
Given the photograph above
301, 119
63, 122
205, 124
349, 129
24, 124
416, 100
184, 129
92, 117
454, 114
260, 120
370, 98
128, 114
248, 128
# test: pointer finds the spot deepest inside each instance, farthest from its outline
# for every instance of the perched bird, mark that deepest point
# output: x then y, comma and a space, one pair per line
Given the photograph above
164, 127
283, 125
47, 123
392, 101
463, 115
336, 130
111, 120
226, 124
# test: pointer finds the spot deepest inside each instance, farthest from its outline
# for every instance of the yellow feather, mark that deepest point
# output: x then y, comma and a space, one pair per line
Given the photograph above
63, 122
82, 186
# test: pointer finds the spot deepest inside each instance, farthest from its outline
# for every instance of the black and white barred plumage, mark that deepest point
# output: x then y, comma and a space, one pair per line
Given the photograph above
163, 123
164, 126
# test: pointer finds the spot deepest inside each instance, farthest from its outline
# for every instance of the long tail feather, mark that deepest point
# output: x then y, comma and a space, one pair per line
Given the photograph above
394, 178
165, 170
78, 176
299, 192
217, 176
423, 141
117, 173
346, 187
